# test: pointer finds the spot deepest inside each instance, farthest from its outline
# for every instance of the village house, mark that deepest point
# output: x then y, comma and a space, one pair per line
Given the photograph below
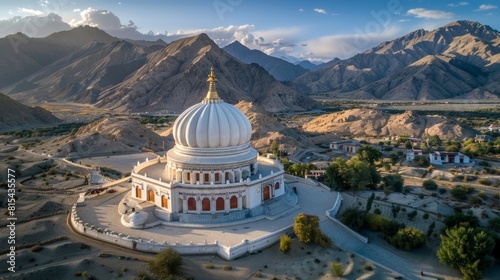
438, 158
410, 154
349, 146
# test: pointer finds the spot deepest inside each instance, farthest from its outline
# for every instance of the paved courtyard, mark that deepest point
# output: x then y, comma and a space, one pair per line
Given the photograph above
102, 211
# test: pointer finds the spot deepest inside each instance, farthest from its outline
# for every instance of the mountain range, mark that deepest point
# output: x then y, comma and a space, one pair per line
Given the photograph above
459, 60
280, 69
133, 76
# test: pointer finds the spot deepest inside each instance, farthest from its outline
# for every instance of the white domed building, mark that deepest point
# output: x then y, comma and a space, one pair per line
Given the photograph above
212, 168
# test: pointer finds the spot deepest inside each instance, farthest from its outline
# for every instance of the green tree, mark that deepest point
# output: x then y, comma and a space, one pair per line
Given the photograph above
422, 161
275, 147
391, 228
354, 174
394, 158
434, 141
494, 223
408, 144
166, 263
408, 239
354, 218
464, 249
360, 175
369, 154
369, 202
285, 242
306, 227
334, 174
394, 182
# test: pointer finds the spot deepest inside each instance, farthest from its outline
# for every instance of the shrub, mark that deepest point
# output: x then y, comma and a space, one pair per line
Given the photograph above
412, 215
461, 191
442, 191
485, 181
285, 242
430, 185
391, 228
377, 211
337, 269
425, 216
209, 266
376, 222
227, 267
167, 262
408, 239
494, 223
368, 267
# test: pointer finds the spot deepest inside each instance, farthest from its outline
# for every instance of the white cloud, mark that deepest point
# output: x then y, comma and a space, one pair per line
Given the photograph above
320, 11
103, 19
31, 12
458, 4
486, 7
301, 10
33, 26
430, 14
404, 20
347, 45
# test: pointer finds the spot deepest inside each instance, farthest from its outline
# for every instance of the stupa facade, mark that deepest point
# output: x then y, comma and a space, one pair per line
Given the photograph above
211, 169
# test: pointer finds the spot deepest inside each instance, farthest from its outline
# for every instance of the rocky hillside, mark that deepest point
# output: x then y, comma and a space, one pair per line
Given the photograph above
280, 69
367, 122
14, 115
111, 135
458, 60
83, 75
265, 128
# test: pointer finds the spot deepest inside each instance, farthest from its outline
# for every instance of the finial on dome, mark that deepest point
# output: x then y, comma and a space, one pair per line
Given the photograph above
212, 92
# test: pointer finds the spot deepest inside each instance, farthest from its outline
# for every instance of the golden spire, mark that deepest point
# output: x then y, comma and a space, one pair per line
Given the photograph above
212, 92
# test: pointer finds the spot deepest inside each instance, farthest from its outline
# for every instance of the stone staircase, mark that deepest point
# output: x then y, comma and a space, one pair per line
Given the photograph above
374, 253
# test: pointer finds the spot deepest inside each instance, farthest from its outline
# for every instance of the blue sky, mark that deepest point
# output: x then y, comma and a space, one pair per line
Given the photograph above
308, 29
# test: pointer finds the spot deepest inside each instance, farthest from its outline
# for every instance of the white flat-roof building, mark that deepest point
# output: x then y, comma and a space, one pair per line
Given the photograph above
448, 157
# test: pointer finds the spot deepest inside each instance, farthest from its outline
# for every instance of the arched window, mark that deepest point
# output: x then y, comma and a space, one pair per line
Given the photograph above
191, 204
138, 192
219, 204
277, 185
164, 202
205, 204
233, 202
151, 196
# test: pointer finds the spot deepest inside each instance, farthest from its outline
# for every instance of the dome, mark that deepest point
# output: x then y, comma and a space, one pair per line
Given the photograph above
212, 123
